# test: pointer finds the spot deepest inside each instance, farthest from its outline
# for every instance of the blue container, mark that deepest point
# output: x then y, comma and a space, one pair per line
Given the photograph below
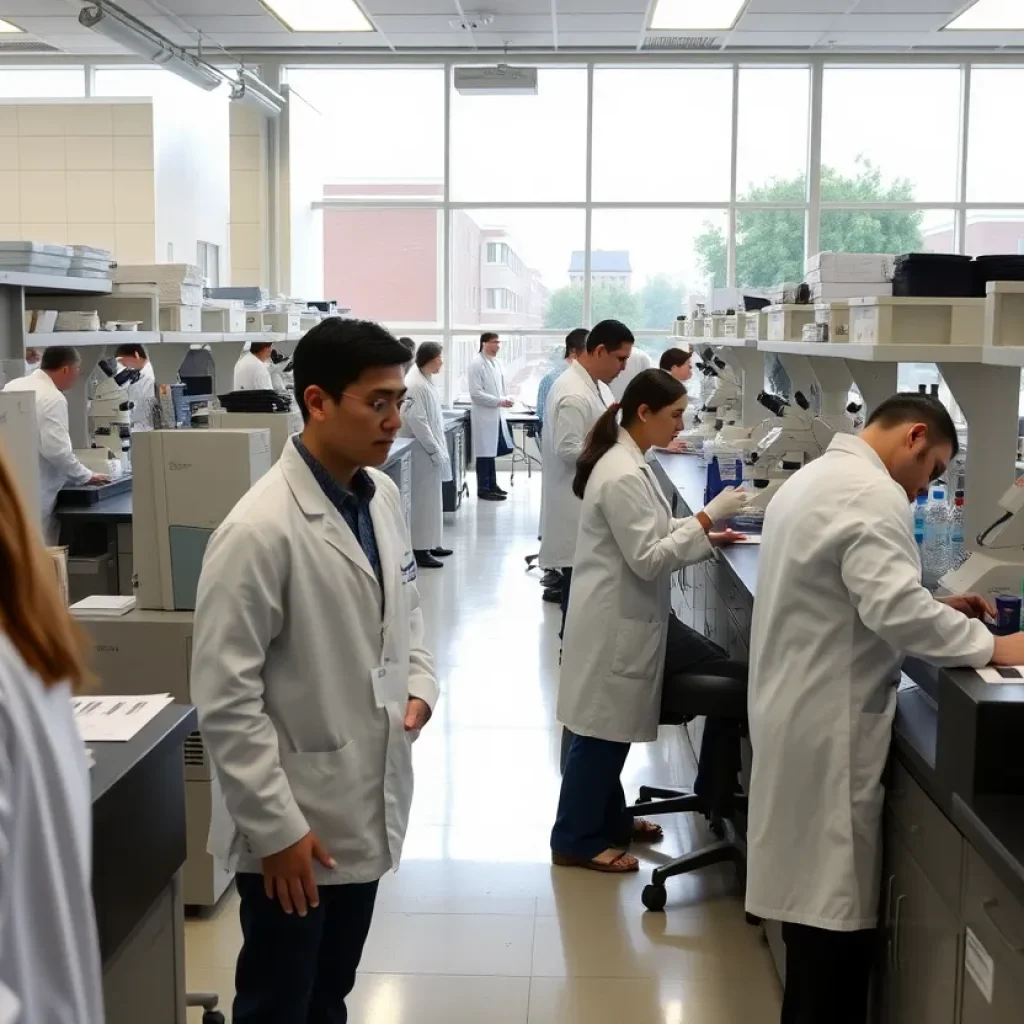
1007, 615
719, 476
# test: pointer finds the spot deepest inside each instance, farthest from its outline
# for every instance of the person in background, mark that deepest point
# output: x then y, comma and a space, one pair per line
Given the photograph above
49, 953
59, 370
678, 362
411, 346
32, 357
575, 343
491, 436
252, 371
312, 680
617, 629
638, 361
839, 605
143, 391
423, 420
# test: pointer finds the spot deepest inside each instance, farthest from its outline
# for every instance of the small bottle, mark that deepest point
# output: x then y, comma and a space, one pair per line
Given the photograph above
920, 507
936, 538
957, 548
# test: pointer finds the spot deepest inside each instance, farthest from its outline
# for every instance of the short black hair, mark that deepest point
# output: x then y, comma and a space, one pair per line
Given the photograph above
135, 349
576, 341
336, 352
912, 407
673, 357
612, 334
427, 353
56, 357
257, 347
486, 337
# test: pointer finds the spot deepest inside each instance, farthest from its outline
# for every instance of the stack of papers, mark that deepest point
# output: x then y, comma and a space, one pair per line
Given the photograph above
115, 719
108, 605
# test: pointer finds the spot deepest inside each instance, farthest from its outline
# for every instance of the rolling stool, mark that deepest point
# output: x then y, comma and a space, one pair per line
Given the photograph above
723, 698
208, 1001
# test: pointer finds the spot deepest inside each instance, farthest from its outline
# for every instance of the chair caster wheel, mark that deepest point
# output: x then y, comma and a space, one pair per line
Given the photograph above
654, 898
213, 1017
717, 828
644, 795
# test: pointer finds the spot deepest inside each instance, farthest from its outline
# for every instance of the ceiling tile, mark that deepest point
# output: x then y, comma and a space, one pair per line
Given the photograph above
601, 7
16, 8
947, 7
452, 41
597, 39
234, 23
600, 22
889, 22
974, 39
447, 8
786, 22
799, 6
543, 40
873, 40
773, 40
416, 24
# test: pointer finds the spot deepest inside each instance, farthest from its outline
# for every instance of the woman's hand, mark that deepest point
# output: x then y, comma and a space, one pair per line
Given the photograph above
722, 538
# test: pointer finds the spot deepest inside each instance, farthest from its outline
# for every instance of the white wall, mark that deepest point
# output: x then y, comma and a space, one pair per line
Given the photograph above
302, 259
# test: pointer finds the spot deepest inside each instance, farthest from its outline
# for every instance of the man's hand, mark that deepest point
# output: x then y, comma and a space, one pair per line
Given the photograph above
288, 875
99, 478
974, 606
507, 403
417, 714
722, 538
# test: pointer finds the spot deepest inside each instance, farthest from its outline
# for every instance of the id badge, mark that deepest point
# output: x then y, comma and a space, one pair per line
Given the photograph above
390, 685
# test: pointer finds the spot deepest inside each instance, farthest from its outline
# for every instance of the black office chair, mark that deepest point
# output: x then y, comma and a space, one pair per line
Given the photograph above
723, 699
207, 1001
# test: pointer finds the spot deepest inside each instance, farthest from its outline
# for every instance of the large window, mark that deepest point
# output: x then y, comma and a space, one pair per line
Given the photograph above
42, 83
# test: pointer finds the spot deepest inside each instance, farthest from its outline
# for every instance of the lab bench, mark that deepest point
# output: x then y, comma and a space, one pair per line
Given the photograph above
456, 430
138, 805
951, 915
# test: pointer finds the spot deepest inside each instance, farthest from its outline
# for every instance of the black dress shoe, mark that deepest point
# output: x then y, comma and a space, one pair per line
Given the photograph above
552, 578
553, 595
498, 490
425, 560
441, 552
490, 496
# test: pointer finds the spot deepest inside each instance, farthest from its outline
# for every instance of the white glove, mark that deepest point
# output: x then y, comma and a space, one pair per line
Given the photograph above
727, 504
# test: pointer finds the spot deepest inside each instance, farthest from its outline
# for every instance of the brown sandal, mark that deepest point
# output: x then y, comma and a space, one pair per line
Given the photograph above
624, 864
645, 831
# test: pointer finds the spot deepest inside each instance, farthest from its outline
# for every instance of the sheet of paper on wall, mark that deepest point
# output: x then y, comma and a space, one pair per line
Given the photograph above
116, 719
1013, 674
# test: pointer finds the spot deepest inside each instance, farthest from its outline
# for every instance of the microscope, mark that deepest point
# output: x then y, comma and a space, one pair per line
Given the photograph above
722, 407
111, 413
997, 567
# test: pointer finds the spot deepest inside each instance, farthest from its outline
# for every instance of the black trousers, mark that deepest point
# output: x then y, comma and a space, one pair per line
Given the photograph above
299, 970
486, 476
828, 975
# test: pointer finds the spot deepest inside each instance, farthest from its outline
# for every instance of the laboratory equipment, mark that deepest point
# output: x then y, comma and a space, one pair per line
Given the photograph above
186, 482
281, 425
722, 407
111, 413
19, 436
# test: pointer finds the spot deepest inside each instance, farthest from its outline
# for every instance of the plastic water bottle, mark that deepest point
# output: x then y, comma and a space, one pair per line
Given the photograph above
920, 510
936, 538
957, 548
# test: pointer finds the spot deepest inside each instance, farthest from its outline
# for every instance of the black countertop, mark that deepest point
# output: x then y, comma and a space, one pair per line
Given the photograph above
117, 509
90, 494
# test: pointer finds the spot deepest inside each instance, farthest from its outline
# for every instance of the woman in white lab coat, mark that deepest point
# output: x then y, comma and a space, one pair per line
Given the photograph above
49, 951
422, 420
491, 436
617, 627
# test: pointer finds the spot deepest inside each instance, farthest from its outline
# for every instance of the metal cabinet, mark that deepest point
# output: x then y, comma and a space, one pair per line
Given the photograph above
452, 490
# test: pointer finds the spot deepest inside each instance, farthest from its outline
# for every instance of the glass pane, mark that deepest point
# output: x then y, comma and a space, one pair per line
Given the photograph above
642, 152
771, 165
384, 128
995, 151
874, 148
385, 264
513, 268
45, 83
522, 148
140, 82
894, 231
669, 255
525, 358
995, 233
769, 247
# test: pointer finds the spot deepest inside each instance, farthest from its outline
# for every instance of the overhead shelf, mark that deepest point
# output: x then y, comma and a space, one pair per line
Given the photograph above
877, 353
727, 342
40, 284
81, 339
1003, 355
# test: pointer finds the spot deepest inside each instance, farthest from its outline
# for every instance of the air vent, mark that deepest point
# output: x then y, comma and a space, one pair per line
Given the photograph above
195, 752
27, 46
682, 43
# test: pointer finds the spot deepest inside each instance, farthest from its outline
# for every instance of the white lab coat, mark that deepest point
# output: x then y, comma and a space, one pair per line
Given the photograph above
638, 361
288, 635
839, 604
252, 374
423, 420
613, 657
574, 405
49, 950
487, 391
58, 464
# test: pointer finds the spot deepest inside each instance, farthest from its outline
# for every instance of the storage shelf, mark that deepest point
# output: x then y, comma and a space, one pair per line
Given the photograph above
38, 284
877, 353
730, 342
1003, 355
84, 338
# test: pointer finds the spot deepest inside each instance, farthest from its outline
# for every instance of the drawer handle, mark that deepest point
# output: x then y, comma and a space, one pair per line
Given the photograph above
896, 933
989, 905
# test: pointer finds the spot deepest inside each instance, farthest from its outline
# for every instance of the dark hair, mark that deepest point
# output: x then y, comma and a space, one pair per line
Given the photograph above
336, 352
135, 349
257, 347
653, 388
673, 357
909, 407
427, 353
576, 341
612, 334
56, 357
408, 343
486, 337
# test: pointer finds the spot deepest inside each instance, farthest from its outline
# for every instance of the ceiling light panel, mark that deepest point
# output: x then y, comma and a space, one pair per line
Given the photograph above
689, 15
319, 15
6, 27
991, 15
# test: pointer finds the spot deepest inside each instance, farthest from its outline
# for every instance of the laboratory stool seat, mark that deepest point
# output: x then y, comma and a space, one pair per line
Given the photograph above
723, 699
206, 1001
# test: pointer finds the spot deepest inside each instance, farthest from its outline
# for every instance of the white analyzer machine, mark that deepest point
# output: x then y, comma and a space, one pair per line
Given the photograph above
997, 565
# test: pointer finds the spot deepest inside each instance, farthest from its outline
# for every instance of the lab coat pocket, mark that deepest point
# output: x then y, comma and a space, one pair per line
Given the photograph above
637, 643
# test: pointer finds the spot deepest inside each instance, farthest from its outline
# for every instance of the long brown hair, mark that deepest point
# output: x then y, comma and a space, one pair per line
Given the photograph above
656, 389
32, 611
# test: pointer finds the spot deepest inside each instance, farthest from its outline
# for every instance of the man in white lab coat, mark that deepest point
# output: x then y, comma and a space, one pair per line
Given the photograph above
491, 436
143, 392
839, 604
59, 371
252, 371
312, 679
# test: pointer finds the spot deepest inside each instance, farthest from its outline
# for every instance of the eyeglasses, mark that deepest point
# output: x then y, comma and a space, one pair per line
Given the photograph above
380, 406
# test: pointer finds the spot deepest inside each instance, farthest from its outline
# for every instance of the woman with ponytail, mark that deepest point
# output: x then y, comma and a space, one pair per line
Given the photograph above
618, 621
49, 952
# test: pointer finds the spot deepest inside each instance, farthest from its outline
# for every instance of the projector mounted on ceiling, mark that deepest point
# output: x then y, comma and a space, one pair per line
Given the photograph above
500, 81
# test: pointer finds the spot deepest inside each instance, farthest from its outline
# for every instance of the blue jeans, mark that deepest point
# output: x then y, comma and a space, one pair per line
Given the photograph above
299, 970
